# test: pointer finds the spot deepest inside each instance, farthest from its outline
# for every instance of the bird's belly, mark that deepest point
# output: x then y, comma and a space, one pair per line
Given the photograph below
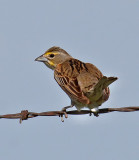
95, 101
93, 104
80, 105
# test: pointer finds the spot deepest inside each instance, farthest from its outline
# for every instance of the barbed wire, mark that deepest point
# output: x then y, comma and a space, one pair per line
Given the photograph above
25, 114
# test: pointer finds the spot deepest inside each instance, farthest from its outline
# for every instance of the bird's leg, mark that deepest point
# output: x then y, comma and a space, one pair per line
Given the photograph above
65, 108
94, 111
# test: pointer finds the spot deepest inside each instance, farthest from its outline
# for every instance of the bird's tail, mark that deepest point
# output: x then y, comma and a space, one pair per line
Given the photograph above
104, 82
100, 87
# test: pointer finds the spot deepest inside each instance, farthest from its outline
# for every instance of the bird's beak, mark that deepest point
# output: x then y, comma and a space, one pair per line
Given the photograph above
41, 59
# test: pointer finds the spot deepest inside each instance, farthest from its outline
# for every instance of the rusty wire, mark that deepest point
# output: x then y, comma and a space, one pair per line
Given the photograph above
24, 115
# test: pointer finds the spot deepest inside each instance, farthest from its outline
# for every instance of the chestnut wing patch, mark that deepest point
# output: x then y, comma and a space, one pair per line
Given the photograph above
71, 87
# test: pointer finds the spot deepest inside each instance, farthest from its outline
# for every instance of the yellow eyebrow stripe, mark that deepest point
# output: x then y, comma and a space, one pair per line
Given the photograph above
47, 53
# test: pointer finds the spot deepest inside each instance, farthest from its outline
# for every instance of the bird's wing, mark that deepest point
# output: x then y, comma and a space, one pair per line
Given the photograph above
89, 77
94, 84
94, 79
66, 76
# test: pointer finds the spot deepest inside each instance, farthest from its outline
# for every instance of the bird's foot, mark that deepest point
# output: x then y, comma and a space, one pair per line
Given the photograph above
61, 115
64, 112
94, 111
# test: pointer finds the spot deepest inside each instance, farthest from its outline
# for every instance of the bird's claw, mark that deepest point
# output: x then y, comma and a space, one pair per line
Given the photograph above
65, 114
96, 114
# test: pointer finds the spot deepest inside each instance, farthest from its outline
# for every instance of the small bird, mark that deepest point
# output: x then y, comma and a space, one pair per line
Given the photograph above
83, 82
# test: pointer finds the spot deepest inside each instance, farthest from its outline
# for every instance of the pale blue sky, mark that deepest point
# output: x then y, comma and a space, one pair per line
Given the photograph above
105, 33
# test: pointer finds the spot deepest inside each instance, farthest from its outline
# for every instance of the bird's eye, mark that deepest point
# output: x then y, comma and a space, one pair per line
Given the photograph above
51, 55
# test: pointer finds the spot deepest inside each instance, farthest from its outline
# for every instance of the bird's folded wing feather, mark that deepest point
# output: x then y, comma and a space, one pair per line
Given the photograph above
66, 76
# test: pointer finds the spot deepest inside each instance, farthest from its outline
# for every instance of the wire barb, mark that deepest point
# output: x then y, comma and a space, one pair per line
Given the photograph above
24, 115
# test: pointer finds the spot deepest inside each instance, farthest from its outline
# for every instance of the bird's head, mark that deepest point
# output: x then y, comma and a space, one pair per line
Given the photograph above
53, 56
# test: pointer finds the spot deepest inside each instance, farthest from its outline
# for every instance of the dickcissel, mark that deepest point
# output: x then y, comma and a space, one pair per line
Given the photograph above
83, 82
